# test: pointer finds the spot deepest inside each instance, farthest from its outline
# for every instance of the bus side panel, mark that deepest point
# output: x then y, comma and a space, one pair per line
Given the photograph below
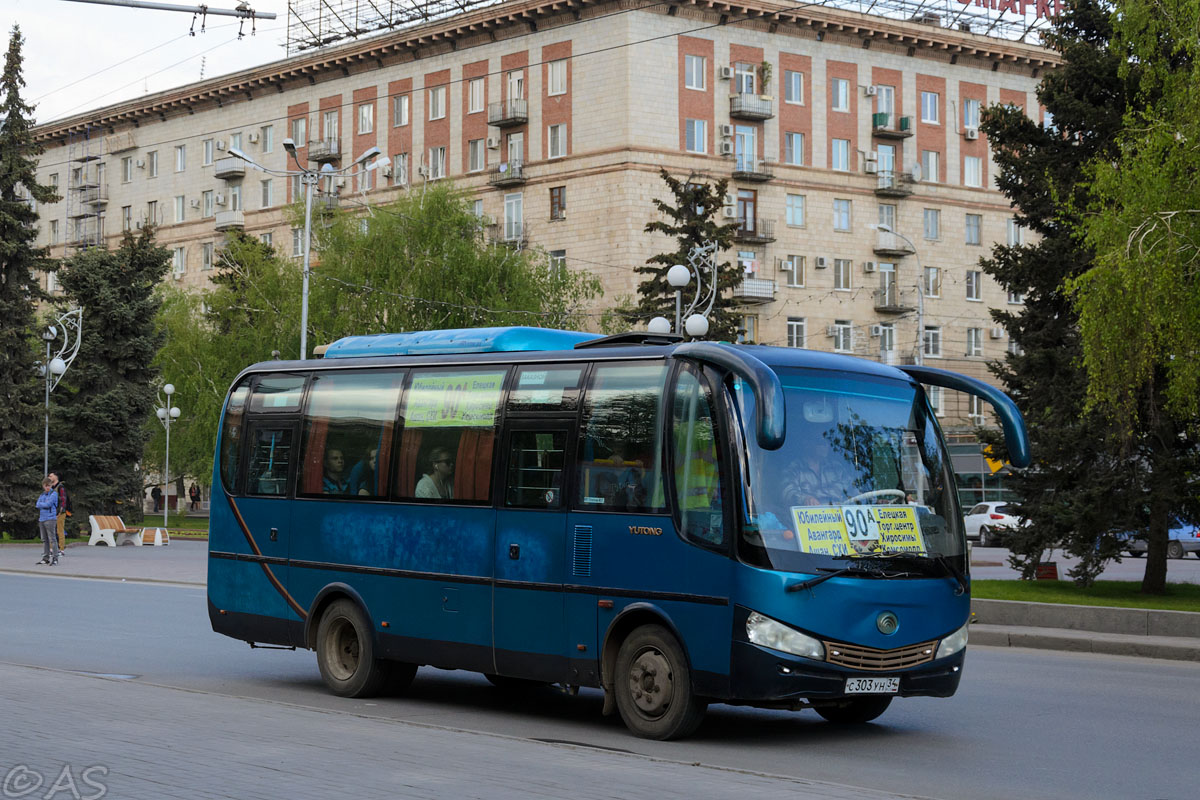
423, 569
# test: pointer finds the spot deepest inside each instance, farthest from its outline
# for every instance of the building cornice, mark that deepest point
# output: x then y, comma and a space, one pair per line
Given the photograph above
516, 17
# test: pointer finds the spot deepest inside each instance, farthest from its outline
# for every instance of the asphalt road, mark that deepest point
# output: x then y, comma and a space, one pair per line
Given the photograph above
992, 563
1029, 724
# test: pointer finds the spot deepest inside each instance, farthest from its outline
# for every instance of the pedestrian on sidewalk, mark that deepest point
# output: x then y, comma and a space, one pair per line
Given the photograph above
64, 511
156, 496
47, 504
194, 496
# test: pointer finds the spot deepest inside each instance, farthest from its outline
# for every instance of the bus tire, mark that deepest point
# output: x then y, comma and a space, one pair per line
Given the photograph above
653, 686
856, 711
346, 652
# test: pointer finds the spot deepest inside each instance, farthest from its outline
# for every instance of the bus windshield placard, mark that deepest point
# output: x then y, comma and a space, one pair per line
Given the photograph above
847, 530
458, 400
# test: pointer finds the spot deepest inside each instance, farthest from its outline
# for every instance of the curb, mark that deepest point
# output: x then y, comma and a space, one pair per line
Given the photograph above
1173, 648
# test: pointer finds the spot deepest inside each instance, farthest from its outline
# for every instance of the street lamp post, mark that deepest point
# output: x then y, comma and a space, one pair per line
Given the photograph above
920, 354
310, 178
166, 412
69, 325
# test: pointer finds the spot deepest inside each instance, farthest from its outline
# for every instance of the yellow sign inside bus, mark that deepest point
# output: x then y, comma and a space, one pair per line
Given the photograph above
455, 400
851, 530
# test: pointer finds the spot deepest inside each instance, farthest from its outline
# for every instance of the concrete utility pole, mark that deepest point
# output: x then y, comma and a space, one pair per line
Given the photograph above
243, 10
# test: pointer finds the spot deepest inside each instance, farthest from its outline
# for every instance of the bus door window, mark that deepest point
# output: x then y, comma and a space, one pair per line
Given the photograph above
348, 427
277, 393
696, 463
621, 453
270, 460
231, 436
535, 469
450, 418
545, 389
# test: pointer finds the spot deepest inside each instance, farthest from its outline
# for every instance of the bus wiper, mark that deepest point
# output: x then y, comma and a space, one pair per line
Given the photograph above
830, 573
940, 560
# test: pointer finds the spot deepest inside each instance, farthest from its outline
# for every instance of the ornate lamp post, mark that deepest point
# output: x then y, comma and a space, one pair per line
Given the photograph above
68, 327
166, 412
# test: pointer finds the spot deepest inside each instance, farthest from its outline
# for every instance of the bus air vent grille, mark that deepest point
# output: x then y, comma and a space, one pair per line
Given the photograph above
868, 658
581, 556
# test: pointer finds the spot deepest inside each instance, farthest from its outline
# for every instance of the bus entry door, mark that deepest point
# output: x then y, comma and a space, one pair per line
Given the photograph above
528, 624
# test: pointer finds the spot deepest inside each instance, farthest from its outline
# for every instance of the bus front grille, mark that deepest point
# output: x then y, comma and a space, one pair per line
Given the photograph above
868, 658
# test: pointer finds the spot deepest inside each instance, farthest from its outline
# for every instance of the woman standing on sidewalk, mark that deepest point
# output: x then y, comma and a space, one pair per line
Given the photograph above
47, 504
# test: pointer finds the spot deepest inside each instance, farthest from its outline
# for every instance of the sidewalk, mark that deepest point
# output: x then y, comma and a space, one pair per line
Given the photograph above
1171, 635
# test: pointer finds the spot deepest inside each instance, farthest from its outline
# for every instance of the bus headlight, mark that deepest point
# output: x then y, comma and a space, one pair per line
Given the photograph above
777, 636
953, 643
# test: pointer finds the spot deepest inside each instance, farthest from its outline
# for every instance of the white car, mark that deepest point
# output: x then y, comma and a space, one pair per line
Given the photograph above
986, 522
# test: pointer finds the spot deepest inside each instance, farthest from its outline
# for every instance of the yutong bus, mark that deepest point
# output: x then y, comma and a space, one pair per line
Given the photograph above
677, 523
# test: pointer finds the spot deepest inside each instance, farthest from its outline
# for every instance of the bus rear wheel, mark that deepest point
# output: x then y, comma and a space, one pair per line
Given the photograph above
346, 652
855, 711
653, 686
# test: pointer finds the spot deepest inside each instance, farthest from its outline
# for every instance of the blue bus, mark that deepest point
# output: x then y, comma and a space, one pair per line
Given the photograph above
675, 523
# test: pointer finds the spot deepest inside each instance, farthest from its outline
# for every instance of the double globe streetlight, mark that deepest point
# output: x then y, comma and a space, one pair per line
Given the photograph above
166, 412
310, 178
679, 276
69, 327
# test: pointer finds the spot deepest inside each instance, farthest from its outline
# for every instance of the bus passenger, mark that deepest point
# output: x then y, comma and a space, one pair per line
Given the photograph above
438, 483
362, 475
334, 481
818, 478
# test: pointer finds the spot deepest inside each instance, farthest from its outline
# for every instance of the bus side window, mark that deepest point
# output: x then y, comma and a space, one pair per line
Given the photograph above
348, 428
450, 421
270, 460
231, 436
535, 469
697, 468
620, 458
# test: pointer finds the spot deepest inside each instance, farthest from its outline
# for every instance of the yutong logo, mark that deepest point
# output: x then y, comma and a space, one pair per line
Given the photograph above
638, 530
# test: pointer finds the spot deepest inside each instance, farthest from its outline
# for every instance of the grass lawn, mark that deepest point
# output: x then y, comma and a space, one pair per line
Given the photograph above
1122, 594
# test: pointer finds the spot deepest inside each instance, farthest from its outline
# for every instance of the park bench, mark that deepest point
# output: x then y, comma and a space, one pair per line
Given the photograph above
111, 530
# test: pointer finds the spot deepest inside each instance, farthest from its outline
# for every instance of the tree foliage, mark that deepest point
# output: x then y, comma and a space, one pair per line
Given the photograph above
690, 221
102, 407
20, 263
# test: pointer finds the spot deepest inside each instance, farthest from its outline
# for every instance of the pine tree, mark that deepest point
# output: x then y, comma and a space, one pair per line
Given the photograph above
20, 397
103, 407
690, 221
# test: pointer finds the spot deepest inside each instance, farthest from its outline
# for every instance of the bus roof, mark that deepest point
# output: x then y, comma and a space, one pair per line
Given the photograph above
461, 340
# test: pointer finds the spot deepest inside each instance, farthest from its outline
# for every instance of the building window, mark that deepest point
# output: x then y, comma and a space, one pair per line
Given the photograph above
126, 218
887, 337
1048, 121
887, 215
841, 94
178, 260
693, 72
974, 341
330, 126
929, 108
558, 140
793, 148
558, 77
843, 336
400, 169
793, 87
297, 187
300, 132
235, 141
366, 118
975, 409
797, 331
151, 163
297, 242
929, 166
795, 210
841, 155
1015, 297
437, 102
208, 203
933, 223
266, 138
970, 113
1016, 234
974, 229
558, 202
843, 268
53, 232
744, 76
180, 157
1015, 349
974, 281
399, 110
476, 155
268, 193
180, 208
696, 135
794, 266
366, 179
933, 282
513, 215
748, 334
209, 148
206, 256
841, 215
152, 212
54, 179
558, 260
973, 171
933, 341
934, 393
437, 163
266, 238
475, 98
516, 84
477, 208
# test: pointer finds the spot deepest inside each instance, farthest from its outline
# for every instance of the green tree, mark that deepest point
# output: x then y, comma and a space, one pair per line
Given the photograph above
690, 221
102, 407
20, 262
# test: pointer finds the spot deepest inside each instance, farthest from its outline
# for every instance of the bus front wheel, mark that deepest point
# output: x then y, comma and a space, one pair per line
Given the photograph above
346, 652
856, 711
653, 686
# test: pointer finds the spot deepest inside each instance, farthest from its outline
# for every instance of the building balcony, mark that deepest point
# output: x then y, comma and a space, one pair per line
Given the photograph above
754, 290
751, 107
326, 202
325, 150
508, 113
889, 244
755, 231
889, 183
94, 196
230, 220
231, 167
511, 173
757, 170
888, 299
889, 126
509, 234
86, 239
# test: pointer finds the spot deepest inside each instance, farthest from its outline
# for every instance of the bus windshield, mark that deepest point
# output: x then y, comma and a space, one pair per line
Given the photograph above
862, 473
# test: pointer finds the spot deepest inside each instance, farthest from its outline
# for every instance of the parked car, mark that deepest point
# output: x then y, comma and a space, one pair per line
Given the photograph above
1182, 538
987, 523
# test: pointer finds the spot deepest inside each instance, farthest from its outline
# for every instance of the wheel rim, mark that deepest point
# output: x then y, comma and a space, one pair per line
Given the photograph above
342, 650
1174, 550
651, 683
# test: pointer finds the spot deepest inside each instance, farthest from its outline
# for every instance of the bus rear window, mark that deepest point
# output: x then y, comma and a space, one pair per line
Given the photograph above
278, 393
450, 418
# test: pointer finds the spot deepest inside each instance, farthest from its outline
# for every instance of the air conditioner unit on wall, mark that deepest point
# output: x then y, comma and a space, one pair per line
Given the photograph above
386, 170
871, 91
220, 199
726, 131
195, 204
726, 148
871, 167
868, 266
253, 138
728, 212
140, 164
971, 134
493, 142
822, 262
220, 144
997, 333
726, 73
877, 330
831, 331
